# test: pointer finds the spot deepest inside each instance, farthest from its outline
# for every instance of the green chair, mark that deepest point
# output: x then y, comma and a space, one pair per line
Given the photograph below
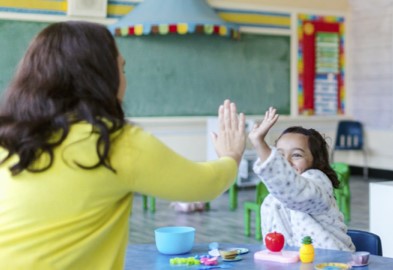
251, 179
343, 194
249, 207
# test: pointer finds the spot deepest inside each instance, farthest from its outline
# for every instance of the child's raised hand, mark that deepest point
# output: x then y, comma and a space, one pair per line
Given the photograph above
231, 137
259, 131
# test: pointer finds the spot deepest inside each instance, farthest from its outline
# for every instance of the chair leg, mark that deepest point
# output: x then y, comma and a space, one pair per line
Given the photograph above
207, 206
149, 203
365, 168
233, 197
347, 209
258, 230
144, 198
247, 220
152, 204
346, 200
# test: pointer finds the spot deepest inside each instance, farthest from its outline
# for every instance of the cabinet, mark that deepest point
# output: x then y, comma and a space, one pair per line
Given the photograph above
381, 219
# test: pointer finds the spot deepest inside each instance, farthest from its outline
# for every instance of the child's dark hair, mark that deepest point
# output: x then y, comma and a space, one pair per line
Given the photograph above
319, 150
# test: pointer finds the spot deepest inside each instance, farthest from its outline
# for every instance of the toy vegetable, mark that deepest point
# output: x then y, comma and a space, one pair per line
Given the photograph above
306, 252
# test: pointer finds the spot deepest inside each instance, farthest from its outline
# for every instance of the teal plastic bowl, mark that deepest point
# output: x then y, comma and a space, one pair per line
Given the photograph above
174, 240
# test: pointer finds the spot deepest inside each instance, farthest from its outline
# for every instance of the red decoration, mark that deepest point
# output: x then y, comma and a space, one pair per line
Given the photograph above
172, 28
131, 31
309, 59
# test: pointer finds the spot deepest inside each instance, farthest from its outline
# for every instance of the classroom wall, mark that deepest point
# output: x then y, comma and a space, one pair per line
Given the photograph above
192, 140
187, 135
321, 5
371, 84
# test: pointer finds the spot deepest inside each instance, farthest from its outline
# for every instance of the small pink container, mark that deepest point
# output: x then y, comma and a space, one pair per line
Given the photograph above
360, 258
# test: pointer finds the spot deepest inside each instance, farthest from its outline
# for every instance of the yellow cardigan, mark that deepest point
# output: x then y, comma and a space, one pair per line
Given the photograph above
70, 218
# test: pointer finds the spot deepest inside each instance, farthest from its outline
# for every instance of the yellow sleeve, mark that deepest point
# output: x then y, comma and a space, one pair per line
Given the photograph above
150, 167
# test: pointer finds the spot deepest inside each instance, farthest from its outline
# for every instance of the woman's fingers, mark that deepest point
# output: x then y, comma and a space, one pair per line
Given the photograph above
234, 116
227, 114
221, 124
242, 122
231, 138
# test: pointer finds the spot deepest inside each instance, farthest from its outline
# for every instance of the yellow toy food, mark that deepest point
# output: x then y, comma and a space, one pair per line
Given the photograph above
306, 252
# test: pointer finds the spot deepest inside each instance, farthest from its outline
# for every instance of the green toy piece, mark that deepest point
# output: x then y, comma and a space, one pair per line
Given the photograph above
184, 261
307, 240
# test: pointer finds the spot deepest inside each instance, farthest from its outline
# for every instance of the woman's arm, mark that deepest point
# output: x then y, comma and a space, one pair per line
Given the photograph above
152, 168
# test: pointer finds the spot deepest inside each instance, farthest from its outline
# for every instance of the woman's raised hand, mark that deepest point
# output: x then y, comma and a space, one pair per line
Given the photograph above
230, 140
259, 131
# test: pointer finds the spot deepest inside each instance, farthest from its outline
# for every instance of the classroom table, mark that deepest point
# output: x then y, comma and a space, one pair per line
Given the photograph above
146, 257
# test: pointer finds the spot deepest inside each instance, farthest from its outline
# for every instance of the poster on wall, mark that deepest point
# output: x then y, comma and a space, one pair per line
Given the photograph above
326, 73
321, 70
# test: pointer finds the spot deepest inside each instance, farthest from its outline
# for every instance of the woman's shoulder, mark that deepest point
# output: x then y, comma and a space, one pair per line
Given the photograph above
134, 134
131, 129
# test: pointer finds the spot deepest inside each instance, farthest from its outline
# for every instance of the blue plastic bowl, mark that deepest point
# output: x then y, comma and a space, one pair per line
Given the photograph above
174, 240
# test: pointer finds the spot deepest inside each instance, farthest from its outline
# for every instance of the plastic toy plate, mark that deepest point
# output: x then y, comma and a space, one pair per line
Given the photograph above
332, 266
214, 253
242, 250
237, 258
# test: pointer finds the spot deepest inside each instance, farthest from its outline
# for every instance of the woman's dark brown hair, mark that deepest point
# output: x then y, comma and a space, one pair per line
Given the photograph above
68, 74
319, 150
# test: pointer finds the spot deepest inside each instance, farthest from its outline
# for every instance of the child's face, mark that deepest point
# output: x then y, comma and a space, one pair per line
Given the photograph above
294, 148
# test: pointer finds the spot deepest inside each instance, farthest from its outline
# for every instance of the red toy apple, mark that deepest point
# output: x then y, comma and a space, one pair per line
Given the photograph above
274, 241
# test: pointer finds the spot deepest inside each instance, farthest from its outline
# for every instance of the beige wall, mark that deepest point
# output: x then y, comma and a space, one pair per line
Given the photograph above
323, 5
192, 140
188, 135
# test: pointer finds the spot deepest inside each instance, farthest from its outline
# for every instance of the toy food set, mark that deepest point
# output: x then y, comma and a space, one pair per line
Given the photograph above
216, 258
274, 243
306, 252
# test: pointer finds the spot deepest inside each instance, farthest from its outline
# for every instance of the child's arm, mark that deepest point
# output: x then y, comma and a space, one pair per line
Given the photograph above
311, 192
258, 133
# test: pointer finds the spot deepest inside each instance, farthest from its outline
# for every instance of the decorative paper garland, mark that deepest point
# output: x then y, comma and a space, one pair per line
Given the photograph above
179, 28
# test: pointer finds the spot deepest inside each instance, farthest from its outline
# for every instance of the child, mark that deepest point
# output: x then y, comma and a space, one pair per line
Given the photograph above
300, 181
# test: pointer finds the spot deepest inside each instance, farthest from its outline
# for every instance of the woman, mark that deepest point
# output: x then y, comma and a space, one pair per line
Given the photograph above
70, 163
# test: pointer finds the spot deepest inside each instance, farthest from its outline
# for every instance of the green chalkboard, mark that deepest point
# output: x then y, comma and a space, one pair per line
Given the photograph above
15, 37
191, 75
184, 75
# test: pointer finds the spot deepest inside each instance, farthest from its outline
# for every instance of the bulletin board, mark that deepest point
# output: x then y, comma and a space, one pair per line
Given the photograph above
311, 29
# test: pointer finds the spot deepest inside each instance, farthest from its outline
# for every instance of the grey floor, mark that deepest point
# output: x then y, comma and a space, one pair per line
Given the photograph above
220, 224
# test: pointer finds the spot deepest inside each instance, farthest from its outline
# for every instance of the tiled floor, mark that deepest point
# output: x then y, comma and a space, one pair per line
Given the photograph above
223, 225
